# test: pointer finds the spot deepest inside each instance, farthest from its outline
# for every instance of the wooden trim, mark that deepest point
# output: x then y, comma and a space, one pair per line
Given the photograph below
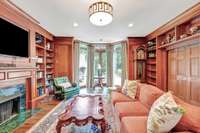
24, 13
2, 76
18, 74
183, 42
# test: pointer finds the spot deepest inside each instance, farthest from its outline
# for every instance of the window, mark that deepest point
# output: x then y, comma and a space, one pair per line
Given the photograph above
83, 57
100, 62
117, 65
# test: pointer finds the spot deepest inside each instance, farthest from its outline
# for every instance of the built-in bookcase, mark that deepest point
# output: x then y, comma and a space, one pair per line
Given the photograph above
49, 65
151, 62
185, 31
44, 64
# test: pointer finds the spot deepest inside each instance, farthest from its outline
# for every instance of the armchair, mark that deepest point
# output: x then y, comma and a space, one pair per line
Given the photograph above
63, 89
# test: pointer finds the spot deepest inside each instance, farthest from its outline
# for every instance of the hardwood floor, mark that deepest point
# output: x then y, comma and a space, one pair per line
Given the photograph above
46, 106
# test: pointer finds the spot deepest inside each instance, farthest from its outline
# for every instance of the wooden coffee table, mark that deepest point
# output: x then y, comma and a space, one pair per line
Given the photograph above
83, 110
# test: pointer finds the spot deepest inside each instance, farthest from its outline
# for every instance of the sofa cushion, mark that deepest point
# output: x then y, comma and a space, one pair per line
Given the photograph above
191, 119
131, 109
119, 97
148, 94
164, 114
134, 124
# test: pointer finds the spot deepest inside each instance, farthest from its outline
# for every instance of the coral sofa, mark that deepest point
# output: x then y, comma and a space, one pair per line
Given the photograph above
132, 114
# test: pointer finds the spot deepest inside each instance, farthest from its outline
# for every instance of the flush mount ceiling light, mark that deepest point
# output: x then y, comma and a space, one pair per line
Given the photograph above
75, 24
101, 13
130, 25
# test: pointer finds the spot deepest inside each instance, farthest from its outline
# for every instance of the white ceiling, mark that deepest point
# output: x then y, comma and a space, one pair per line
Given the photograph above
58, 16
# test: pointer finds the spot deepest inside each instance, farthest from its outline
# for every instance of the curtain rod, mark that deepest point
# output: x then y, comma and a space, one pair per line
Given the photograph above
114, 43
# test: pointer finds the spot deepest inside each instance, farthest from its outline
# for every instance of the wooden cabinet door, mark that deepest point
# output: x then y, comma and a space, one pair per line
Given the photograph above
63, 60
194, 80
184, 73
172, 71
181, 73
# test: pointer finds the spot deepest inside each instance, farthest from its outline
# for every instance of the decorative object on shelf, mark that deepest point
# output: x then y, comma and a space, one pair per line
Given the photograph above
195, 29
39, 74
183, 36
39, 60
48, 46
151, 55
163, 42
101, 13
170, 38
151, 43
39, 39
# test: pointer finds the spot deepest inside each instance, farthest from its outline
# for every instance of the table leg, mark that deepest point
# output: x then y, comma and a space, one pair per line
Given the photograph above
103, 126
58, 127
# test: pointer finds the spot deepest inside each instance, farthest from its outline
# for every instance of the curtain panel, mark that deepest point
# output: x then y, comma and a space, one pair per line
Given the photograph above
90, 66
124, 61
76, 56
109, 50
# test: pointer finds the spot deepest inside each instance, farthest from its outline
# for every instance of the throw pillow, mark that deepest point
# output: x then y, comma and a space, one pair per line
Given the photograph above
65, 85
164, 114
124, 88
132, 88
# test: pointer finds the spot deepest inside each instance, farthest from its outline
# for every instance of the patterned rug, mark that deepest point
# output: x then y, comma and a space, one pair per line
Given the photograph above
49, 124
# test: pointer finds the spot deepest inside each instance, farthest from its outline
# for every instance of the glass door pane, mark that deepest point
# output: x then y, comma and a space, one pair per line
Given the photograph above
100, 65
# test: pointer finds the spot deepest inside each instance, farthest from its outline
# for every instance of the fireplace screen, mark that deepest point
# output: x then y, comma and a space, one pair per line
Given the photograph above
12, 101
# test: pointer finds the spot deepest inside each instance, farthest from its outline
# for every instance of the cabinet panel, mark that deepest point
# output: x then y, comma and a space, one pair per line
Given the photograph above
194, 80
184, 73
181, 73
172, 71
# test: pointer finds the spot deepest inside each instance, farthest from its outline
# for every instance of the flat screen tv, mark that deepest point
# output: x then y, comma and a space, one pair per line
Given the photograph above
14, 41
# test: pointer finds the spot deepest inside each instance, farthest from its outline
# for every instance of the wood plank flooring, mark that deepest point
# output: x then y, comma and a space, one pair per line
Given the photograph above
45, 107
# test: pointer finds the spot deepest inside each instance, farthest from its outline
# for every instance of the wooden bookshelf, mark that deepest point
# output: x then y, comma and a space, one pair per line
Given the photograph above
40, 64
44, 64
151, 62
49, 64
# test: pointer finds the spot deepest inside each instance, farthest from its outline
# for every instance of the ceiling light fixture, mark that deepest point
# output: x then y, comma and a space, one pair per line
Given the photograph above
75, 24
101, 13
130, 25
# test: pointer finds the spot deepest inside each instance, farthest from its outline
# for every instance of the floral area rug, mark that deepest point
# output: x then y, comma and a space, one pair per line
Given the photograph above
49, 124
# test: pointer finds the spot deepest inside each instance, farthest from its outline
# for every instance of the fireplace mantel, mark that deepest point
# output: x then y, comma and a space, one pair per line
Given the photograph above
10, 73
10, 76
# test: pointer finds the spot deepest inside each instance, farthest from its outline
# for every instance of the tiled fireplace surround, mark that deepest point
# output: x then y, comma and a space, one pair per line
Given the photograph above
13, 76
12, 101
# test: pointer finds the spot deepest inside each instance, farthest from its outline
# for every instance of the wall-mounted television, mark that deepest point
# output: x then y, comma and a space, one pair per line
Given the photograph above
14, 41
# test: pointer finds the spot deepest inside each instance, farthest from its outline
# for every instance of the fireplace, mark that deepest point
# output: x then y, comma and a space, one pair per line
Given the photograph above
12, 101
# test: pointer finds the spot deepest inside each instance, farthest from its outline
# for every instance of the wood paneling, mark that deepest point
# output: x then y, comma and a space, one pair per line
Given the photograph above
181, 73
2, 75
172, 70
18, 74
63, 56
194, 79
